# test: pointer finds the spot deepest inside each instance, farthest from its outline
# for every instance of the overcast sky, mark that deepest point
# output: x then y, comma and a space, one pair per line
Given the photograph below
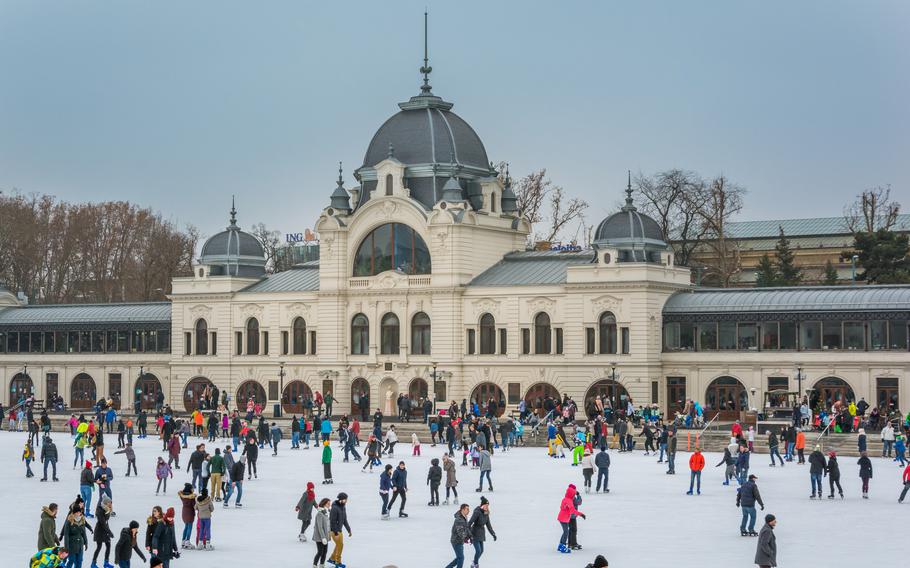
178, 105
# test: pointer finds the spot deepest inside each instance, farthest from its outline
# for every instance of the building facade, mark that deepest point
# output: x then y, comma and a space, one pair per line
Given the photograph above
423, 286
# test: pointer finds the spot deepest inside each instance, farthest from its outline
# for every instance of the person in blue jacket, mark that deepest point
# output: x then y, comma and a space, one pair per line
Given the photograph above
326, 429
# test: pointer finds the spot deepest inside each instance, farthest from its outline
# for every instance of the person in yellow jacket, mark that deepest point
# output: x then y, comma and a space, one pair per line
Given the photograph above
49, 558
28, 454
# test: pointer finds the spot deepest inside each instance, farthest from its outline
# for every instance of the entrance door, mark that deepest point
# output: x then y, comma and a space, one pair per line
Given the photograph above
886, 393
114, 388
676, 396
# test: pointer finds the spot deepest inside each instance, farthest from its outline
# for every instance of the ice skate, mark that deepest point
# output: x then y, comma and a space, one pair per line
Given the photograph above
743, 533
402, 515
209, 546
301, 537
446, 502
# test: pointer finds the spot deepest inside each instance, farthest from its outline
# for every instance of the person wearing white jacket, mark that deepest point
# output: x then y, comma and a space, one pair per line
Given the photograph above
321, 532
391, 438
587, 469
887, 440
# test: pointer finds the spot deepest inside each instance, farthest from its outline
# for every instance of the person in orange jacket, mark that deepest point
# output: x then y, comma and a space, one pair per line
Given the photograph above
696, 464
800, 445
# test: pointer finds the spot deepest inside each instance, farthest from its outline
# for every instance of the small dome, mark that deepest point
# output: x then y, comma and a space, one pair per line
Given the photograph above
635, 236
233, 252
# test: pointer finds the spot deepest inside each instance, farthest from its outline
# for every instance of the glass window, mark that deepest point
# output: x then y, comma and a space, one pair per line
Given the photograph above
420, 334
503, 340
265, 343
559, 341
542, 337
136, 345
238, 342
123, 341
707, 336
112, 342
252, 336
25, 342
389, 334
393, 246
360, 335
726, 335
36, 337
85, 342
202, 337
747, 336
2, 342
787, 335
299, 336
770, 335
686, 336
525, 341
810, 335
151, 341
470, 339
48, 338
285, 343
607, 324
312, 342
671, 336
897, 335
878, 335
625, 340
854, 335
12, 342
60, 341
487, 334
831, 335
589, 340
164, 342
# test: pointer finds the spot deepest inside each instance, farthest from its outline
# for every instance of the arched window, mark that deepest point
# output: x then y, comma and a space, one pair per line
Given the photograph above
607, 333
389, 186
202, 337
299, 336
420, 334
487, 335
392, 246
360, 335
389, 334
252, 337
542, 334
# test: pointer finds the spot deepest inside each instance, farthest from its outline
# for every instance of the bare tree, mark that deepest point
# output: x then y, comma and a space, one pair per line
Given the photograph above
675, 199
872, 210
271, 244
724, 200
563, 212
539, 200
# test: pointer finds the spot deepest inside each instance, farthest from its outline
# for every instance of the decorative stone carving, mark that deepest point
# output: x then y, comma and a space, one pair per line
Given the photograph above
389, 208
606, 303
327, 242
540, 304
251, 310
298, 310
441, 237
200, 311
484, 305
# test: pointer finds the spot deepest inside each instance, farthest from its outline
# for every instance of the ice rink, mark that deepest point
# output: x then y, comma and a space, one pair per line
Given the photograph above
646, 520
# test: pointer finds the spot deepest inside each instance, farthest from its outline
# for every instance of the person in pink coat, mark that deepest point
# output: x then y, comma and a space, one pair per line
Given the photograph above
566, 510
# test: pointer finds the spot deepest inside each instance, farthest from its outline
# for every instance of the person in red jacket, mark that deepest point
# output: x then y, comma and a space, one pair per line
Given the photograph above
696, 464
566, 510
906, 483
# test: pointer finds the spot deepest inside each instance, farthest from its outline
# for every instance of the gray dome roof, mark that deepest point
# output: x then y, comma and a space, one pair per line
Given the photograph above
233, 252
429, 135
628, 225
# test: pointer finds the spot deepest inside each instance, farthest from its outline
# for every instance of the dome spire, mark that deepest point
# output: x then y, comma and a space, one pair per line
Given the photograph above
629, 206
340, 199
233, 214
426, 89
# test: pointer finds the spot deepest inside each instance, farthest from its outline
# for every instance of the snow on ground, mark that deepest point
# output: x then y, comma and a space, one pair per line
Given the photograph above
646, 520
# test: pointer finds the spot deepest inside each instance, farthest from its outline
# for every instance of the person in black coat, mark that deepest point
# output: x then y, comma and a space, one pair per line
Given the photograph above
164, 543
434, 478
103, 534
338, 519
865, 472
833, 473
123, 551
479, 525
400, 488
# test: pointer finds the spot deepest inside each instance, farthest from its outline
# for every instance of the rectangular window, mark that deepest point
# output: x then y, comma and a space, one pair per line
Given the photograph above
654, 391
514, 393
854, 336
238, 343
123, 341
897, 335
36, 341
213, 343
2, 342
625, 340
114, 388
726, 335
887, 393
187, 343
285, 342
525, 341
471, 347
273, 390
878, 335
748, 336
25, 343
788, 335
589, 341
111, 342
671, 336
777, 392
151, 341
810, 336
831, 335
503, 341
707, 336
770, 335
312, 343
778, 383
51, 385
49, 342
559, 341
265, 343
12, 342
164, 342
98, 340
136, 343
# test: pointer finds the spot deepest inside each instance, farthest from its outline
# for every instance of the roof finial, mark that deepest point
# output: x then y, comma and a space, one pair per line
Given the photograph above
629, 191
426, 69
233, 213
391, 151
340, 177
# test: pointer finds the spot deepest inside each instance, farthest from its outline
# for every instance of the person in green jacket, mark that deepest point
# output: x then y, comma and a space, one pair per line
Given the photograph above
53, 557
47, 530
326, 463
216, 467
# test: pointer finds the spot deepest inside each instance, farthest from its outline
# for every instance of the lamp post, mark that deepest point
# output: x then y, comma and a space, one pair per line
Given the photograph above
137, 402
280, 379
799, 383
435, 364
615, 390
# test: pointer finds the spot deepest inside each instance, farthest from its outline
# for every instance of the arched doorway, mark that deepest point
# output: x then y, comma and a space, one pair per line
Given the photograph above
727, 397
418, 391
20, 388
482, 394
192, 393
828, 391
248, 390
537, 395
147, 388
604, 388
83, 394
360, 398
295, 394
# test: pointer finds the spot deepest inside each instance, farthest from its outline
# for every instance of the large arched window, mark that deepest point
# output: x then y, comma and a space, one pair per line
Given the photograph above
299, 336
389, 334
360, 335
252, 336
392, 246
202, 337
607, 333
420, 334
487, 334
542, 334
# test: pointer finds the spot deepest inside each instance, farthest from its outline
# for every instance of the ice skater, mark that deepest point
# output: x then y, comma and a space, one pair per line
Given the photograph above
304, 509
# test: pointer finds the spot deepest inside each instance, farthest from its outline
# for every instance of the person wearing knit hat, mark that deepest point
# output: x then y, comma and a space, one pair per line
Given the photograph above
479, 525
127, 544
164, 543
766, 548
86, 485
833, 473
338, 520
304, 509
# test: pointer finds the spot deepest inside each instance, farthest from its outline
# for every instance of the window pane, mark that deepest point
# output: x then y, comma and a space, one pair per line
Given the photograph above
503, 341
164, 342
382, 249
422, 264
707, 336
2, 344
404, 248
686, 336
589, 340
897, 335
525, 340
769, 335
625, 340
36, 341
854, 335
726, 335
810, 337
470, 340
788, 335
671, 336
363, 260
559, 341
831, 335
878, 335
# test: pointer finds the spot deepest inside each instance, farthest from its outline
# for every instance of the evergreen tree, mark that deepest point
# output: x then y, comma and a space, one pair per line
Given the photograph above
830, 276
884, 256
767, 274
788, 273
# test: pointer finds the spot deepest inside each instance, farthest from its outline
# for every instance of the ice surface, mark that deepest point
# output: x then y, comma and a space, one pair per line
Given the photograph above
646, 520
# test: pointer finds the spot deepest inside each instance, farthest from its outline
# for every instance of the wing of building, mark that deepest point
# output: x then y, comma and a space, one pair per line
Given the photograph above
423, 286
